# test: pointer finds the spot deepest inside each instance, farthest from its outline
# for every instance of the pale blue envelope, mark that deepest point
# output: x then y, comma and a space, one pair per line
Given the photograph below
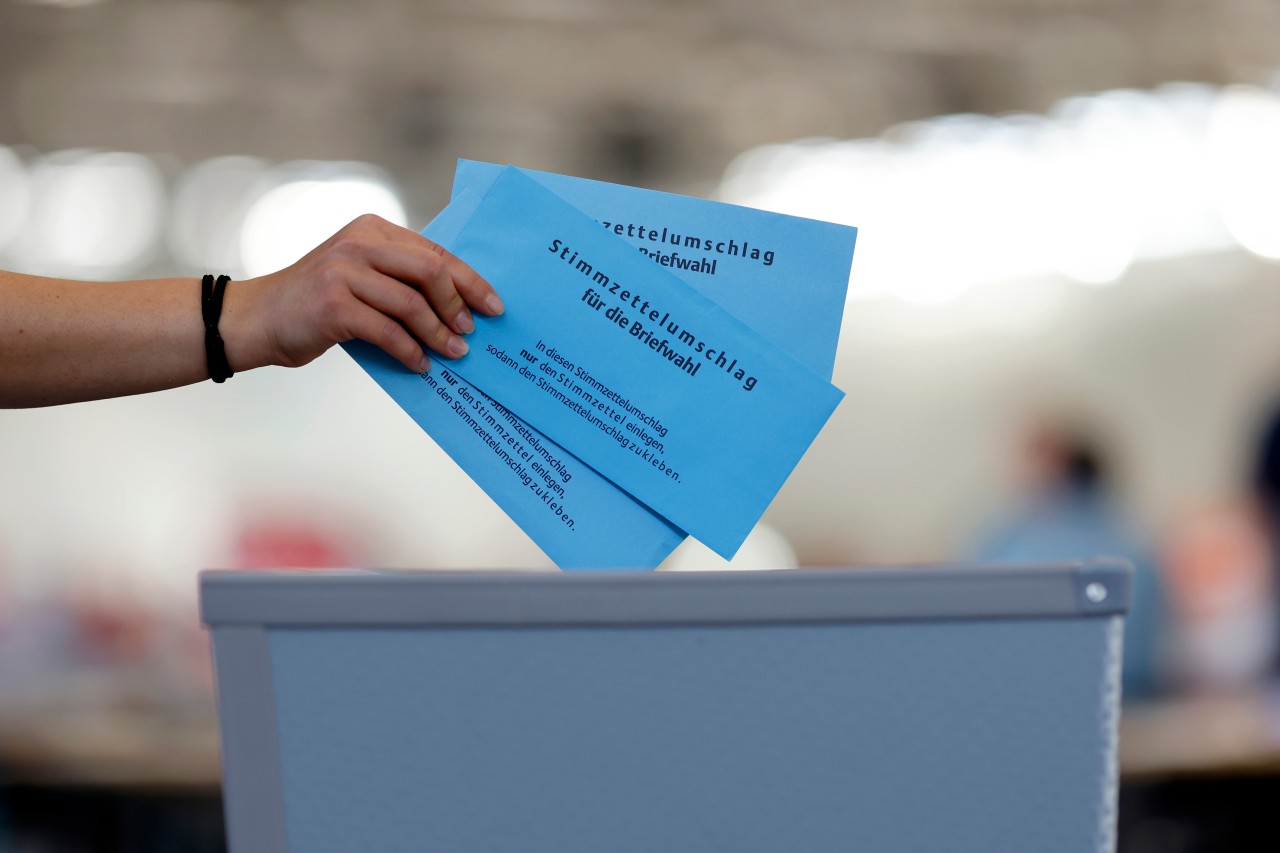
609, 529
784, 276
651, 383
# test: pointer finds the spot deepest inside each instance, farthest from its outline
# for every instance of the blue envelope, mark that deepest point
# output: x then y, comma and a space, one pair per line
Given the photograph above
648, 381
605, 527
784, 276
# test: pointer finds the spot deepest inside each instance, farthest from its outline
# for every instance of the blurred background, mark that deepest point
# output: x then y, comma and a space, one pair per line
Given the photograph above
1060, 337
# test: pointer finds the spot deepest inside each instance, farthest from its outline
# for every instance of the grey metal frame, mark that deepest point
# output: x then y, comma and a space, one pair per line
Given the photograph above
551, 598
252, 791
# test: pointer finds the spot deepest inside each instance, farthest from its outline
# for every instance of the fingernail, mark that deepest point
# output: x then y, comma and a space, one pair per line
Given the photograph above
424, 365
494, 304
466, 325
458, 347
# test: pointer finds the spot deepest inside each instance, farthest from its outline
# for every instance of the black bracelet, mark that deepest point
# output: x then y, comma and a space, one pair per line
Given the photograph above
211, 309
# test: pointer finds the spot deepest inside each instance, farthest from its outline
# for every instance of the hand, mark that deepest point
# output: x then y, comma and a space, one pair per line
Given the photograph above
372, 280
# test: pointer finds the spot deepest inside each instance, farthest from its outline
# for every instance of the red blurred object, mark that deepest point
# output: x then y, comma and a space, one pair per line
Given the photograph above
274, 543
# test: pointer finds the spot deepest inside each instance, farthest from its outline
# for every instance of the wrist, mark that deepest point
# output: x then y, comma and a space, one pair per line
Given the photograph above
241, 328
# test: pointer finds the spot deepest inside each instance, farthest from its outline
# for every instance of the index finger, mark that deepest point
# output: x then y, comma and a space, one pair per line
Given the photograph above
471, 286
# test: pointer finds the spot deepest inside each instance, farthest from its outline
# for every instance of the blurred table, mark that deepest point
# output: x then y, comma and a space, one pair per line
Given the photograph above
1200, 775
141, 779
158, 748
113, 748
1222, 735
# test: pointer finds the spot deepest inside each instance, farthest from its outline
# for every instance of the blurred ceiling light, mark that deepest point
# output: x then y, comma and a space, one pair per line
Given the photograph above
964, 181
1244, 138
956, 201
92, 214
15, 196
63, 4
210, 202
305, 204
1177, 191
1084, 237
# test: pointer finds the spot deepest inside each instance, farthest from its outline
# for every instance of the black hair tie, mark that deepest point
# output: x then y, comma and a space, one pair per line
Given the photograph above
211, 294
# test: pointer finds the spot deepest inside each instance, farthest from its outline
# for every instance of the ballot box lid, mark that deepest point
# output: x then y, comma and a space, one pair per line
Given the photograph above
1093, 587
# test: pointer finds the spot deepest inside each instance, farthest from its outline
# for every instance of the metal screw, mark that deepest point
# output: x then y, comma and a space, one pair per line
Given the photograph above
1095, 592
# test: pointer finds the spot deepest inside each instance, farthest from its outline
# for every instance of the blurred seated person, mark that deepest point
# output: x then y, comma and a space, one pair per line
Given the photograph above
66, 341
1221, 569
1266, 494
1067, 513
1217, 567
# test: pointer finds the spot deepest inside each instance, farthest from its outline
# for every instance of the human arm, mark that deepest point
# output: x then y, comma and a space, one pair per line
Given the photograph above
66, 341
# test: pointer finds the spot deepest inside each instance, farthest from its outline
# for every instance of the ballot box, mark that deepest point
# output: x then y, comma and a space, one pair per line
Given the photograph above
944, 708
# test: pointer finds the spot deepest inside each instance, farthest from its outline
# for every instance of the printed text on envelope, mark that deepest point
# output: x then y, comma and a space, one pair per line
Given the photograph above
631, 370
